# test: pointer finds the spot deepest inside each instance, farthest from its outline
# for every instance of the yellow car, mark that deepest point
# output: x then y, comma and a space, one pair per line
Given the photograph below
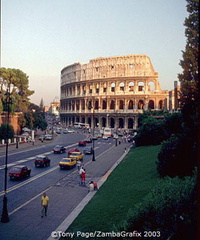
67, 163
76, 156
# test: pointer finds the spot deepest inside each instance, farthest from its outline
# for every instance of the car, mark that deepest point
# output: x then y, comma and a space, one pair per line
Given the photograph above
58, 131
82, 143
105, 137
71, 131
67, 163
95, 137
42, 161
59, 149
76, 155
41, 137
71, 150
88, 140
88, 150
48, 137
65, 131
19, 171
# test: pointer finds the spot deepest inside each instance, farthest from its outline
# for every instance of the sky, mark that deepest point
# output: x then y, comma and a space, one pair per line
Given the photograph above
41, 37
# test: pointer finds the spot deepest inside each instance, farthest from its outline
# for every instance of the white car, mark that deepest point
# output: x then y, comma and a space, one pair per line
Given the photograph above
105, 137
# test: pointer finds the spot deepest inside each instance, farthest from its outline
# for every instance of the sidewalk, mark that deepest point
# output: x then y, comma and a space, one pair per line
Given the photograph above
28, 145
67, 199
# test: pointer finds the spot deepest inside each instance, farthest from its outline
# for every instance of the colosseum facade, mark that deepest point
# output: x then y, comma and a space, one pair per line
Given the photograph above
110, 92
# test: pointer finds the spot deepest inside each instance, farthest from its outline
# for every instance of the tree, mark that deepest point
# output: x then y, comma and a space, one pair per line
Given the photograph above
16, 82
189, 78
6, 131
42, 105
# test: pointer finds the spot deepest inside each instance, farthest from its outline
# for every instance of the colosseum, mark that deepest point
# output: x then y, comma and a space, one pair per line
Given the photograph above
110, 92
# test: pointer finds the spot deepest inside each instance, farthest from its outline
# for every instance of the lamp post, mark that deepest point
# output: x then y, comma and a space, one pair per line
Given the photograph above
4, 216
93, 153
8, 102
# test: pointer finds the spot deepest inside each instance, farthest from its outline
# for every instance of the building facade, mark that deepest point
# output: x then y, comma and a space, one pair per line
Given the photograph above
110, 92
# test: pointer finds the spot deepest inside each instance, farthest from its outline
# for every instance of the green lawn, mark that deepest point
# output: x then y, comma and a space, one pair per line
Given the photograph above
129, 183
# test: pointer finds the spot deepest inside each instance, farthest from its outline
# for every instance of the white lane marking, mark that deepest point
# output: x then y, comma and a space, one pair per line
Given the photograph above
30, 158
29, 180
75, 171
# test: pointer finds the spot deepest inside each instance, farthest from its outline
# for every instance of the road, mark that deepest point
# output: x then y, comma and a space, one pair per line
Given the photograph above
58, 182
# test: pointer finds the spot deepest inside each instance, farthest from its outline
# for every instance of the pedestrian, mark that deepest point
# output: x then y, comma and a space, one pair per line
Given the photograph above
44, 203
91, 186
125, 150
80, 174
79, 165
83, 178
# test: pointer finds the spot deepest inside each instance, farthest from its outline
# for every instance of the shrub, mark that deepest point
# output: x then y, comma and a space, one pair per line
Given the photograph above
6, 131
177, 157
152, 132
171, 209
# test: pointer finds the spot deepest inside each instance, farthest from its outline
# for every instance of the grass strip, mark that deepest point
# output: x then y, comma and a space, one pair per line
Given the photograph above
127, 185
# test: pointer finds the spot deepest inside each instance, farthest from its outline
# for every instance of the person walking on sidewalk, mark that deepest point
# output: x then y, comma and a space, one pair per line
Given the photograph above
44, 203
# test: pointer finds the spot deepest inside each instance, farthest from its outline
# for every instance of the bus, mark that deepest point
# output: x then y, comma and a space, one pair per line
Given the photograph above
81, 125
107, 132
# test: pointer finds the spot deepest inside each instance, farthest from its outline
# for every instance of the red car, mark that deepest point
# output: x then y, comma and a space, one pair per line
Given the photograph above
70, 150
20, 171
82, 143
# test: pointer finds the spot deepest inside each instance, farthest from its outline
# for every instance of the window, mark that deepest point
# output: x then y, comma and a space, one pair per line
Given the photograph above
104, 90
97, 90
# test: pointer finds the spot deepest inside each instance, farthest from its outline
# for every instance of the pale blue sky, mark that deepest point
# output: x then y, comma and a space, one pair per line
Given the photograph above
41, 37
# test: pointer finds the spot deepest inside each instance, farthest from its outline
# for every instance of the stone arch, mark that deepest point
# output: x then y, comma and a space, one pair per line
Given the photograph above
151, 86
121, 122
151, 104
113, 87
121, 104
131, 86
104, 104
130, 123
130, 104
103, 122
161, 104
140, 86
141, 104
112, 122
96, 104
112, 104
121, 86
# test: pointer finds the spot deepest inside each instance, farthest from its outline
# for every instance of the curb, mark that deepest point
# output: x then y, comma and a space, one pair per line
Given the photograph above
74, 214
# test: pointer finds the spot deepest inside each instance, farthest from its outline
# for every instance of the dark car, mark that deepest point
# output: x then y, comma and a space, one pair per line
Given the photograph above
42, 161
19, 171
82, 143
71, 150
88, 140
88, 150
59, 149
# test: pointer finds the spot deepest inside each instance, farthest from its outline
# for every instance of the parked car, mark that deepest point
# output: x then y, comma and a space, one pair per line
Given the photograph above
42, 161
76, 155
58, 131
88, 150
71, 150
67, 163
48, 137
82, 143
19, 171
59, 149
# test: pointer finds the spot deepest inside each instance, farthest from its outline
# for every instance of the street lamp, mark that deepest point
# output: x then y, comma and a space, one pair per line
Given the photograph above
8, 102
93, 153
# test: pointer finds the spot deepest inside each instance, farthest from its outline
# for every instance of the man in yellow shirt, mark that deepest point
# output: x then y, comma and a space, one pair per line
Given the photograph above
44, 203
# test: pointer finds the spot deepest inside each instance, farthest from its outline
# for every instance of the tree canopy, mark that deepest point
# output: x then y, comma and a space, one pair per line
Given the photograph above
16, 82
189, 78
